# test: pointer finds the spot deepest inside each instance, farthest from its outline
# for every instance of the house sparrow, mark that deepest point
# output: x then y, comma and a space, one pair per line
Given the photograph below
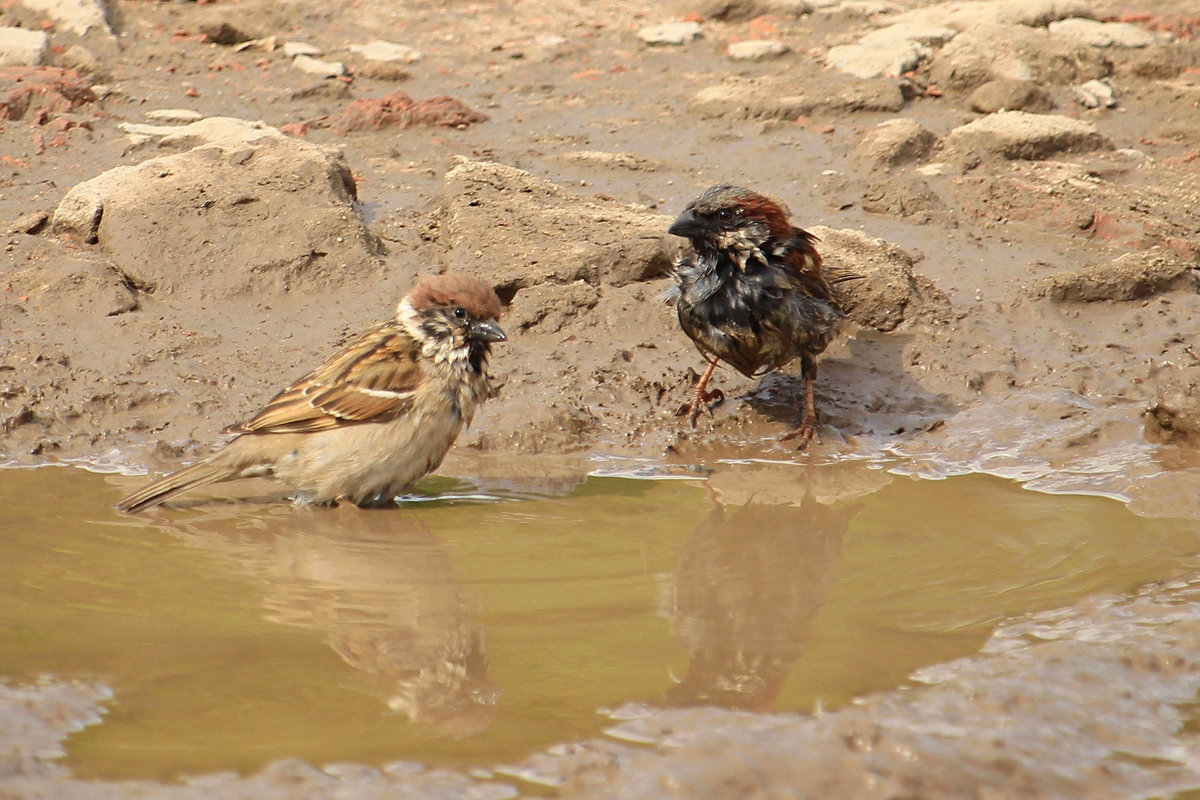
751, 292
374, 418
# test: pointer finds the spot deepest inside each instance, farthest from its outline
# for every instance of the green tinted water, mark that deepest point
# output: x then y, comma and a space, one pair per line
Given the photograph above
468, 632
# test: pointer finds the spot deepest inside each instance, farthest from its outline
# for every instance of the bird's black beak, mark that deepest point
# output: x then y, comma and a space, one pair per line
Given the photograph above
488, 331
688, 225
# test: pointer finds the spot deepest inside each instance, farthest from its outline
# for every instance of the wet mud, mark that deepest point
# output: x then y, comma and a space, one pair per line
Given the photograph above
1018, 182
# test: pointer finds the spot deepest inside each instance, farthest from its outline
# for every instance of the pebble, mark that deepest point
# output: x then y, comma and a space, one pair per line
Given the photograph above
77, 16
670, 33
22, 48
182, 115
1103, 34
30, 223
323, 69
1095, 94
380, 50
293, 49
757, 50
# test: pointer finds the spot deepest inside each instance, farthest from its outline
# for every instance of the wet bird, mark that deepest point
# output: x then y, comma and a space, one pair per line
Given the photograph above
373, 419
752, 292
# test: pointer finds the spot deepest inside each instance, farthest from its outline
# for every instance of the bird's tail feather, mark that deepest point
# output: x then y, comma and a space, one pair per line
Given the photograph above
164, 489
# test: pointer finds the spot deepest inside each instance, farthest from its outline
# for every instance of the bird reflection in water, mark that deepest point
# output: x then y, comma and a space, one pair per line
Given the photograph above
380, 587
748, 586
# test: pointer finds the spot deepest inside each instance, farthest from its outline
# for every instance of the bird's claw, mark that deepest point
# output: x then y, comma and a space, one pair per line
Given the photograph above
805, 433
701, 401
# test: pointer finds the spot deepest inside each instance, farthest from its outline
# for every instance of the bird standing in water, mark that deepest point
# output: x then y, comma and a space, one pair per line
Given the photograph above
373, 419
751, 292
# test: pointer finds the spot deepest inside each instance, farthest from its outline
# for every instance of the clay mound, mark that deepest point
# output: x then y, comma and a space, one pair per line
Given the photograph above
247, 209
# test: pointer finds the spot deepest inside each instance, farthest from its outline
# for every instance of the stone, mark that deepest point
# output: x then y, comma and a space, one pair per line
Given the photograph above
29, 223
80, 17
1095, 94
548, 235
258, 212
890, 51
894, 142
757, 50
23, 48
293, 49
181, 115
379, 50
1014, 52
1008, 94
315, 66
82, 60
224, 32
1103, 34
1018, 134
890, 292
783, 97
1133, 276
671, 33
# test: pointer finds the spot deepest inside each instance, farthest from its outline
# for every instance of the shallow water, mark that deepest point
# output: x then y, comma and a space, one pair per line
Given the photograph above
474, 631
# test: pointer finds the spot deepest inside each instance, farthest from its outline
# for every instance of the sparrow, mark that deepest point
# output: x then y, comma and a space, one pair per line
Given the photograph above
373, 419
751, 292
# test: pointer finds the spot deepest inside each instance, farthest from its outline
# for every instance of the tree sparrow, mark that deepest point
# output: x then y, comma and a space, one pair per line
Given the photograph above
374, 418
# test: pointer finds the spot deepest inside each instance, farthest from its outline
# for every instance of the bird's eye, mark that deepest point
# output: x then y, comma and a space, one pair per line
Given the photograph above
725, 214
459, 312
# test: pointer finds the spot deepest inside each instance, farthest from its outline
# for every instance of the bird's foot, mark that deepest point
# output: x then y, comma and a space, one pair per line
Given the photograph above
701, 401
805, 433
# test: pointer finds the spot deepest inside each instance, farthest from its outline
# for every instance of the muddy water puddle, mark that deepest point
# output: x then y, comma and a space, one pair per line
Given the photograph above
479, 627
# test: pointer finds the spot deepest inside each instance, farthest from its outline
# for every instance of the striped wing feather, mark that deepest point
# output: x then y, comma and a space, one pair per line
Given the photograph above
373, 380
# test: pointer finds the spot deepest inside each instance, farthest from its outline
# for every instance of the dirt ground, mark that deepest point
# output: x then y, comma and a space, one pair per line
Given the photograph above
1031, 285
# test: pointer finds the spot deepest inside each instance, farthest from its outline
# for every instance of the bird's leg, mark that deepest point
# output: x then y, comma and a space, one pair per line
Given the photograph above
700, 398
808, 426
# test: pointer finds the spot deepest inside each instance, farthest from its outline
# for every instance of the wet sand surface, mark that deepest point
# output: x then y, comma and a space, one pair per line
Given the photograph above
1025, 324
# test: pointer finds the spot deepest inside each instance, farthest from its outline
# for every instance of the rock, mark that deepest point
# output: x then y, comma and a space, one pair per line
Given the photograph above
964, 16
43, 92
80, 17
315, 66
785, 97
181, 115
1132, 276
757, 50
890, 292
518, 231
741, 10
22, 48
1009, 94
1018, 134
670, 33
399, 110
224, 32
549, 306
1103, 34
379, 50
81, 60
293, 49
29, 223
1095, 94
260, 212
383, 71
889, 51
1014, 52
894, 142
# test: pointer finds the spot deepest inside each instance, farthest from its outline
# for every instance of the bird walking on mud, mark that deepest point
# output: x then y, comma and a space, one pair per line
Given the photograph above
373, 419
752, 292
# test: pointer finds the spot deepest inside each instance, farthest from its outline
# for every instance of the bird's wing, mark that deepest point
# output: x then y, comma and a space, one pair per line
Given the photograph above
374, 379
